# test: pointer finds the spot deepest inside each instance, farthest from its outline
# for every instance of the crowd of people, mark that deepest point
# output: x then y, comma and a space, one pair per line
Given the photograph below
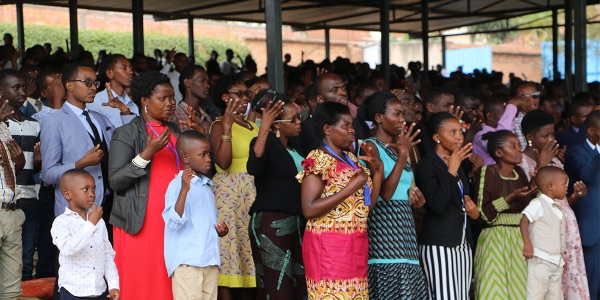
158, 178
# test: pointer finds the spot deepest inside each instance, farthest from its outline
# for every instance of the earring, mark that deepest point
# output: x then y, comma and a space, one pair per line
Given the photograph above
529, 143
437, 141
277, 134
146, 109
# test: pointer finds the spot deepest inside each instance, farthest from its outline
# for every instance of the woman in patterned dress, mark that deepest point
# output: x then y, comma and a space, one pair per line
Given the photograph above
230, 137
542, 150
504, 191
336, 193
394, 268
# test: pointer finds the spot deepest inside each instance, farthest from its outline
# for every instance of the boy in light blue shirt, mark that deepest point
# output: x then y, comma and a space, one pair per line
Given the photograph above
192, 231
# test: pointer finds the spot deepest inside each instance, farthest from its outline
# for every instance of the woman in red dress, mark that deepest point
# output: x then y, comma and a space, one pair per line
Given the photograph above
142, 162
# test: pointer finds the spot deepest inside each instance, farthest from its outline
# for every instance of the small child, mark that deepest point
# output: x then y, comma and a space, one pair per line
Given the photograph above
86, 256
543, 229
191, 241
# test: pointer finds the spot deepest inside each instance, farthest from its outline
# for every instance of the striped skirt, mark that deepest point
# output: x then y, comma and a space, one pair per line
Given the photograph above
448, 271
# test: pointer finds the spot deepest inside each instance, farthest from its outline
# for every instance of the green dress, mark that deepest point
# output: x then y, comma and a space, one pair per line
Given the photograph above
500, 268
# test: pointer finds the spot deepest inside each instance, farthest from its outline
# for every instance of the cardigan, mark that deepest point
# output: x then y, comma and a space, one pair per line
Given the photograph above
129, 182
444, 220
275, 178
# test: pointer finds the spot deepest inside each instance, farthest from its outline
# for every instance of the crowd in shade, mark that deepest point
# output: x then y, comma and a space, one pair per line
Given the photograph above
164, 178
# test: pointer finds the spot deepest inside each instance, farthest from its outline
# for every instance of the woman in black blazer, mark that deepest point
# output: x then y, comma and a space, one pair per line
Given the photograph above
446, 236
277, 224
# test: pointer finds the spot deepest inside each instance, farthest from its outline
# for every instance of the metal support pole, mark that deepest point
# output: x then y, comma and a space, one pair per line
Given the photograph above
568, 45
191, 46
579, 18
274, 44
20, 28
425, 35
556, 73
327, 44
444, 51
137, 9
73, 29
385, 40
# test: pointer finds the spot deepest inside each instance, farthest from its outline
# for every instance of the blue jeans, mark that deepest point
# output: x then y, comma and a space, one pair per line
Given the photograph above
36, 233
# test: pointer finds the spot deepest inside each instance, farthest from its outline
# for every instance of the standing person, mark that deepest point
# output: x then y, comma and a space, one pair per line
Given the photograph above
196, 107
502, 193
496, 116
87, 260
582, 162
11, 216
230, 138
337, 193
192, 232
228, 67
531, 100
116, 73
543, 150
180, 61
276, 223
394, 268
445, 245
142, 163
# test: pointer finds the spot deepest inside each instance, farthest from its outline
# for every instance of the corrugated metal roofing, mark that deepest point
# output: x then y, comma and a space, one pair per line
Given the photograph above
405, 15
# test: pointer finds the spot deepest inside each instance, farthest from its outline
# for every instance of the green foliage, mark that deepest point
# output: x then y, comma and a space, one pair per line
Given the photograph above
122, 42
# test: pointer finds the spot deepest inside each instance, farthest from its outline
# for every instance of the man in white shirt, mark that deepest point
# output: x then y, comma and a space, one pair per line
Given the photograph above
86, 256
227, 66
180, 61
117, 71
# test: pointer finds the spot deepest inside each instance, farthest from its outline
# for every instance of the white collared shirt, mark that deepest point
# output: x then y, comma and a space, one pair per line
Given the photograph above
593, 147
86, 257
534, 211
79, 113
113, 114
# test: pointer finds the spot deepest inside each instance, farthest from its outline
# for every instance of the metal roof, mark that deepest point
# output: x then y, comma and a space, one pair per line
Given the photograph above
405, 15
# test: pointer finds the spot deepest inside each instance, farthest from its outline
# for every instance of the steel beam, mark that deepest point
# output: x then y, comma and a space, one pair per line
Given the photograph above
327, 44
137, 10
274, 44
425, 34
385, 40
73, 29
556, 73
579, 18
191, 46
20, 28
568, 45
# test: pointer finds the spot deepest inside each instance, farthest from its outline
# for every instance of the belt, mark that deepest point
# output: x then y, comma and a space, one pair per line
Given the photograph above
10, 206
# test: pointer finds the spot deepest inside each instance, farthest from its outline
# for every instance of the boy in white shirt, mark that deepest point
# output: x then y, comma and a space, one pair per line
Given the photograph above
86, 256
543, 230
191, 229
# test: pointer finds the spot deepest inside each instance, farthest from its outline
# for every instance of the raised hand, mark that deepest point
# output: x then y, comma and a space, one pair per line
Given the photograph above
520, 193
114, 102
3, 113
154, 145
95, 215
561, 154
374, 163
477, 162
549, 151
230, 112
471, 208
472, 131
269, 114
455, 110
222, 229
186, 179
416, 198
406, 140
191, 121
579, 190
457, 157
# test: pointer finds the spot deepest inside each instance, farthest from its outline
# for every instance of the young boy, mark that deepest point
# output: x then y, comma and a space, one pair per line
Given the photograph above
543, 230
86, 257
191, 241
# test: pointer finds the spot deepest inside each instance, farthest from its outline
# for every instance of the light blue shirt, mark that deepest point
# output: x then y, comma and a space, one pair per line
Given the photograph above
79, 113
192, 238
113, 114
42, 114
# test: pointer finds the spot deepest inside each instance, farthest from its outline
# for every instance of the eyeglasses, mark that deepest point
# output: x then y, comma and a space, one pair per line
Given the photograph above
534, 95
295, 119
88, 82
241, 93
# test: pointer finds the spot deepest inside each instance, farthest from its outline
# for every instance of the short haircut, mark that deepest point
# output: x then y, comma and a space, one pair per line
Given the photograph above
187, 73
535, 120
546, 175
435, 96
328, 113
68, 175
593, 120
187, 136
492, 106
576, 104
40, 81
144, 84
9, 72
70, 71
108, 63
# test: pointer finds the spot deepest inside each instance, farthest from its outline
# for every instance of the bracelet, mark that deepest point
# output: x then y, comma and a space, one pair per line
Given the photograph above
139, 162
226, 138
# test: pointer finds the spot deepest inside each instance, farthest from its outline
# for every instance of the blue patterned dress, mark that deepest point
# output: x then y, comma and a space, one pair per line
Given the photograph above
394, 269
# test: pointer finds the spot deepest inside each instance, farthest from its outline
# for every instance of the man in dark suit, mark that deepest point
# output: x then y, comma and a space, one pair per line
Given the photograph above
583, 163
575, 134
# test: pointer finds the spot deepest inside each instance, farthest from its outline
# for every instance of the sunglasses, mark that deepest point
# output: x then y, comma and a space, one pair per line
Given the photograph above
534, 95
88, 82
295, 119
241, 93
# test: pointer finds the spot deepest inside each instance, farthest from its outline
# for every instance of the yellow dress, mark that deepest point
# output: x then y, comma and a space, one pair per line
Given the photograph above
234, 194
